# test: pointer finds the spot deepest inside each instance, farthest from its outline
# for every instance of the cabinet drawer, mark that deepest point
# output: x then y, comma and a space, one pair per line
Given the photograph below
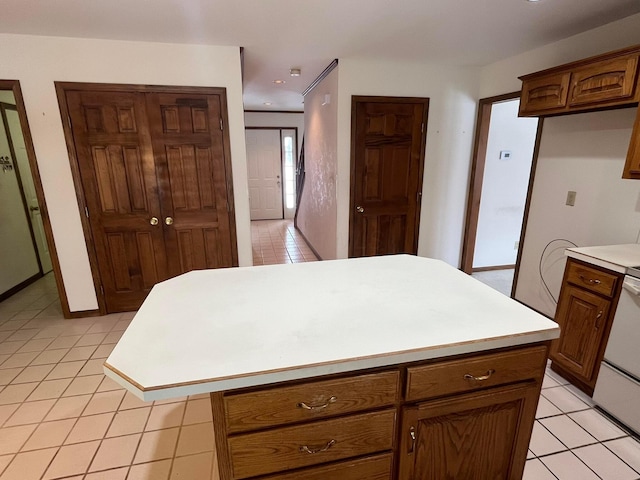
468, 374
286, 448
591, 278
310, 401
371, 468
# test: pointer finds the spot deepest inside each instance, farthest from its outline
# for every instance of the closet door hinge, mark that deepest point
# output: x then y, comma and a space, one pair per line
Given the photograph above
221, 124
101, 290
86, 212
422, 128
69, 121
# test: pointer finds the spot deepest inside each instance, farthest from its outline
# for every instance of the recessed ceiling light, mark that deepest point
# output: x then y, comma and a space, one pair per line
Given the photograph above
295, 72
533, 1
279, 82
268, 104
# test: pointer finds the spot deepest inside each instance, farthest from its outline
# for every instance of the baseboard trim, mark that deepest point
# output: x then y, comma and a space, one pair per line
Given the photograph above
84, 313
494, 267
308, 243
12, 291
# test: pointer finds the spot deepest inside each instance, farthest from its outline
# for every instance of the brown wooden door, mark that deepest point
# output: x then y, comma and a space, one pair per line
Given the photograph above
187, 136
154, 173
387, 163
582, 317
468, 437
115, 160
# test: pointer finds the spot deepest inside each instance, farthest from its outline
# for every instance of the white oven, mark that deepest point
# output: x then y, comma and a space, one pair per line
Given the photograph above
617, 389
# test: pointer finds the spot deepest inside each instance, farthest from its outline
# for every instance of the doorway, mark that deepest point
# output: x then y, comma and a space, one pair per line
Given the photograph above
388, 137
501, 172
28, 252
271, 167
153, 175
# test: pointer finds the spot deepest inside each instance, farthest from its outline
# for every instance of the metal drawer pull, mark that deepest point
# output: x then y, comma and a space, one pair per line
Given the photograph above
590, 281
329, 444
317, 407
412, 434
487, 376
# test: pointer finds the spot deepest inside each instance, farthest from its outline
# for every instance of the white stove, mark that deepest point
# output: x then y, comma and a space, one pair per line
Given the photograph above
618, 386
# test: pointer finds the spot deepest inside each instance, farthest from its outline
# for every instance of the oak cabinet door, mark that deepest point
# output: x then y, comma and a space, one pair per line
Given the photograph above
604, 81
544, 94
582, 316
480, 435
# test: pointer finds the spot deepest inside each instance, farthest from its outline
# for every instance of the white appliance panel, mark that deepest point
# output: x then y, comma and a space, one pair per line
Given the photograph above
624, 340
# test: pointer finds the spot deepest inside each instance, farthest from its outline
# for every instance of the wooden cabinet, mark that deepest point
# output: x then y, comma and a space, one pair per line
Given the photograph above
585, 312
544, 94
466, 417
605, 81
481, 435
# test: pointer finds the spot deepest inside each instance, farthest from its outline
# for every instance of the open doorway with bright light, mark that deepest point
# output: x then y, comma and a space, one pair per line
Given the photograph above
501, 171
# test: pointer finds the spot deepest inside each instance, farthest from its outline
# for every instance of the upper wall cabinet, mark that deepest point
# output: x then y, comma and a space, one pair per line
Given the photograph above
606, 81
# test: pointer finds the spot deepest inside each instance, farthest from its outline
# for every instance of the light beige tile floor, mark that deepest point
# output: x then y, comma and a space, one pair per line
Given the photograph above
277, 241
61, 418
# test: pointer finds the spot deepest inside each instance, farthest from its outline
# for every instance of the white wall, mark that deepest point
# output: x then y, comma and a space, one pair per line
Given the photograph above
554, 177
502, 77
504, 186
453, 94
584, 153
317, 213
39, 61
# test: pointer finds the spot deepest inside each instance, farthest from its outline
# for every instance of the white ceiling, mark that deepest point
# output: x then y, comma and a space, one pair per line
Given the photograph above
309, 34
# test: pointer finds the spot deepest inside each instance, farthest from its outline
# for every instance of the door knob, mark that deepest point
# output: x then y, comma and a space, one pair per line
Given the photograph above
33, 208
153, 221
359, 209
168, 221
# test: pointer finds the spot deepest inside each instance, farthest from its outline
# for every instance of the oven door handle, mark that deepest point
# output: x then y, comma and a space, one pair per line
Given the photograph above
631, 288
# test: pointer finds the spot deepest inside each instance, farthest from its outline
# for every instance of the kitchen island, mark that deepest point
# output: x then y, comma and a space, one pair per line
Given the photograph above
372, 368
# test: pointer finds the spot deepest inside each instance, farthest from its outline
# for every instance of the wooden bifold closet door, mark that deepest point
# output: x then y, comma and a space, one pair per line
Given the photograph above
155, 175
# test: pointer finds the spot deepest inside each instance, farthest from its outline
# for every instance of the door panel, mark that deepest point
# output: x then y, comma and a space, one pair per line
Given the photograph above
29, 189
264, 167
387, 167
190, 159
153, 169
118, 175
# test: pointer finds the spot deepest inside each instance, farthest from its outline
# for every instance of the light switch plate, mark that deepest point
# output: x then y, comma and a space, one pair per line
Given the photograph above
571, 198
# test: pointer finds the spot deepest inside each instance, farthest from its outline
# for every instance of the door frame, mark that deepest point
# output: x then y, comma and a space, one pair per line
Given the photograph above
14, 86
355, 99
61, 90
476, 177
295, 159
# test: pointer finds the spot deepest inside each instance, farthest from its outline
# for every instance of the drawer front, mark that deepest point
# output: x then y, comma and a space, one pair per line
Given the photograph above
310, 401
314, 443
468, 374
592, 279
371, 468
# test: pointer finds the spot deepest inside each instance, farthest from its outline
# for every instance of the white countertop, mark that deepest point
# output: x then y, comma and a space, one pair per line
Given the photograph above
214, 330
617, 258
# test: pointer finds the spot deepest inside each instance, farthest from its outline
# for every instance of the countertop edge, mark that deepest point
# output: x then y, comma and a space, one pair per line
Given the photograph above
350, 365
595, 261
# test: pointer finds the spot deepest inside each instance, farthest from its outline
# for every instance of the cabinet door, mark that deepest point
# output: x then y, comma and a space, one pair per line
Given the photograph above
632, 166
604, 81
473, 436
542, 95
582, 317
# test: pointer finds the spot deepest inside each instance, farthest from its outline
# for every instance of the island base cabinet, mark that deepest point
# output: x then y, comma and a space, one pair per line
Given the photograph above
472, 436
